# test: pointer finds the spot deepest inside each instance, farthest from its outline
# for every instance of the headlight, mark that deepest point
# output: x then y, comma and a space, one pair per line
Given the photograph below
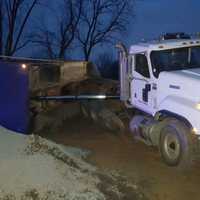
198, 106
194, 130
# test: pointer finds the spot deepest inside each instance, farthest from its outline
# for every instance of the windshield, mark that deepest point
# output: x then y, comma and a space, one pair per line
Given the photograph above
175, 59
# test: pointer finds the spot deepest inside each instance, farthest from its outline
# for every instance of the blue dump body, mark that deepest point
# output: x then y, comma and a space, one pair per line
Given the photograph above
14, 97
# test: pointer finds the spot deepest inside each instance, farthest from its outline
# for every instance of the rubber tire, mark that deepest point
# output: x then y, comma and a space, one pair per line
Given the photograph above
94, 116
177, 129
84, 110
111, 121
94, 109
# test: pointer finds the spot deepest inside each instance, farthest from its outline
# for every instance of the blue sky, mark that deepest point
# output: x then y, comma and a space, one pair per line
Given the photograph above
155, 17
152, 18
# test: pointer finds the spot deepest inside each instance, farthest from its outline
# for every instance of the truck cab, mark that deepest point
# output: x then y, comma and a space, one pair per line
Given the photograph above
162, 78
162, 70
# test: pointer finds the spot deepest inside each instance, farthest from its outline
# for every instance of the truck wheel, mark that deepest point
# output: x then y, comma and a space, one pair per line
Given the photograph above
175, 143
84, 110
94, 116
111, 121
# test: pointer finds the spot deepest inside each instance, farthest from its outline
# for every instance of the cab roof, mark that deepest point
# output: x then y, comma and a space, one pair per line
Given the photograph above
163, 45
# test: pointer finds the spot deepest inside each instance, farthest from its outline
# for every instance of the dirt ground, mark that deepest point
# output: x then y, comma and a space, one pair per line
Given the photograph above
139, 163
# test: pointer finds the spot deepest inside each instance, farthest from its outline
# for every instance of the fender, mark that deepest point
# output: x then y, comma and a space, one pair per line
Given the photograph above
183, 109
167, 113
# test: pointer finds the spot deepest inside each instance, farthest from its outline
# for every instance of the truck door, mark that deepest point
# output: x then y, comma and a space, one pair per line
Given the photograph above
141, 86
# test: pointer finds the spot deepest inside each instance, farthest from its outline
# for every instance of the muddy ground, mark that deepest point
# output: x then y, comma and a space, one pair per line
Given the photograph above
139, 163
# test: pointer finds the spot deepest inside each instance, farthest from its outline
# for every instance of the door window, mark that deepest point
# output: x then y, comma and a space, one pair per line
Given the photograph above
141, 65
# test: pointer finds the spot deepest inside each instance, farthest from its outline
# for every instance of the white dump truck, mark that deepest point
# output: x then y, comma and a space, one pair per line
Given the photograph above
161, 79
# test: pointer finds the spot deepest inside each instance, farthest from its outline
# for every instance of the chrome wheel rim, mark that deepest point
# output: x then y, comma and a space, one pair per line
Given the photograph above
172, 146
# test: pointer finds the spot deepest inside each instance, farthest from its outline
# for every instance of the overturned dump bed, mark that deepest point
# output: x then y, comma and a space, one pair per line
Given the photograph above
21, 79
24, 80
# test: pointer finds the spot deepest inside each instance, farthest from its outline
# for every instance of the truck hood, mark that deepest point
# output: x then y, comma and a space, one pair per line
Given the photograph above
191, 72
184, 83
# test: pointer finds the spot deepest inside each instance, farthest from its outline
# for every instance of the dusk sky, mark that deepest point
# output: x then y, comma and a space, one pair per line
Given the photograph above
152, 18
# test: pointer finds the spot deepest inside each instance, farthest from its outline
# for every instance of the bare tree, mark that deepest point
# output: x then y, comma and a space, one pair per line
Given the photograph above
101, 22
56, 42
108, 66
14, 16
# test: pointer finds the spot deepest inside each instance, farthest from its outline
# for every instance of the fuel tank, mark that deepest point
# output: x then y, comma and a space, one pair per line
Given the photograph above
145, 128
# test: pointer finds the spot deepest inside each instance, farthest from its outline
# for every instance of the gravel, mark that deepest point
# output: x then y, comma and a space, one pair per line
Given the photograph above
33, 168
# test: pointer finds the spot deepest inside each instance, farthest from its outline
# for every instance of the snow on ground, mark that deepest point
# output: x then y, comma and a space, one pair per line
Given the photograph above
36, 169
